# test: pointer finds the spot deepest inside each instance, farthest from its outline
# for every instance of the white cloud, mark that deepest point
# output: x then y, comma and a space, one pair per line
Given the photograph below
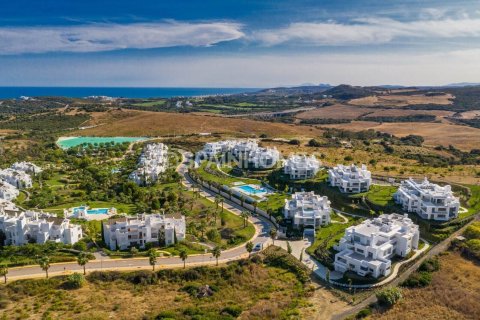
105, 37
368, 31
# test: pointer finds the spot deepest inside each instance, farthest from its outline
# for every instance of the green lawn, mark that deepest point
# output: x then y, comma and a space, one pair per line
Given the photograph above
473, 202
121, 207
335, 229
379, 195
150, 103
274, 202
219, 176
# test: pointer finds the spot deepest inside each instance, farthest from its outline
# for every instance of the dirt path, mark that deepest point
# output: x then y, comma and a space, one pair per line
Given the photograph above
323, 304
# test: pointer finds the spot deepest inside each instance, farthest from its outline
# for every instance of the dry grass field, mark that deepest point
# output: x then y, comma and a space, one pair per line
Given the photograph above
462, 137
453, 294
341, 111
337, 111
257, 292
144, 123
401, 100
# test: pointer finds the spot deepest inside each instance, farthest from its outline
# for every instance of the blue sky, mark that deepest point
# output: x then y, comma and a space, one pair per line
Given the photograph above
238, 43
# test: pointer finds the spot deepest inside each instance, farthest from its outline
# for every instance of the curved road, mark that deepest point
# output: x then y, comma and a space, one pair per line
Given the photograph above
262, 228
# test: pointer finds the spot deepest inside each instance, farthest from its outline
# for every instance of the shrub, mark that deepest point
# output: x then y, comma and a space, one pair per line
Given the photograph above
164, 315
472, 231
363, 313
295, 142
430, 265
389, 296
234, 311
213, 235
314, 143
75, 280
348, 158
418, 279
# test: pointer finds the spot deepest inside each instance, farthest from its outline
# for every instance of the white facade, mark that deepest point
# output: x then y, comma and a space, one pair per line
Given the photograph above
301, 167
350, 179
428, 200
123, 233
213, 149
34, 227
368, 248
27, 167
152, 163
7, 191
263, 158
307, 209
243, 148
16, 178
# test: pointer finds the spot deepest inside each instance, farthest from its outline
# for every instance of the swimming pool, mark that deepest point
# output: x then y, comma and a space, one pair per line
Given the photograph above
91, 211
70, 142
252, 189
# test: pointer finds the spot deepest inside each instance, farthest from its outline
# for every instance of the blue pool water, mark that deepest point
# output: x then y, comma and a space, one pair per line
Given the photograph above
252, 190
70, 142
91, 211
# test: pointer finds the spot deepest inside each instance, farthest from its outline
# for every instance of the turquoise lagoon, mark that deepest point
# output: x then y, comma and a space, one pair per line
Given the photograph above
70, 142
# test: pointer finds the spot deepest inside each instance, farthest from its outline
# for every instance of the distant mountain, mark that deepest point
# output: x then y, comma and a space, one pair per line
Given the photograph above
463, 84
346, 92
300, 90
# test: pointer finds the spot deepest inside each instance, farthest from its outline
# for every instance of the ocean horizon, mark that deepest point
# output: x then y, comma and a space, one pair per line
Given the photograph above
116, 92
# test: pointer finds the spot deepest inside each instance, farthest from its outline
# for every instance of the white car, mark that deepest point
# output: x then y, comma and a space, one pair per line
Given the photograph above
258, 247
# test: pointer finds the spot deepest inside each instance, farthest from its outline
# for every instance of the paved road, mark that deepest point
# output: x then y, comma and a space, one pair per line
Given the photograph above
261, 236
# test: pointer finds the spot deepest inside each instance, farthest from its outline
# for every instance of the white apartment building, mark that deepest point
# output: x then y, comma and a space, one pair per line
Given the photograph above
27, 167
8, 192
368, 248
151, 164
263, 158
350, 179
307, 209
123, 233
22, 227
243, 148
16, 178
428, 200
301, 167
213, 149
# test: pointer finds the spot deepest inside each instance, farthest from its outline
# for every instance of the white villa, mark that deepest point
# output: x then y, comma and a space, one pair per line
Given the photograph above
428, 200
301, 167
123, 233
7, 191
27, 167
213, 149
368, 248
263, 158
152, 163
22, 227
243, 148
350, 179
16, 178
308, 209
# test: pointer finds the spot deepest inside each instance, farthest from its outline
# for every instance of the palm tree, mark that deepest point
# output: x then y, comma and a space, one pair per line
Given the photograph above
4, 272
255, 204
82, 260
216, 252
273, 235
44, 263
183, 256
249, 247
245, 215
217, 201
152, 257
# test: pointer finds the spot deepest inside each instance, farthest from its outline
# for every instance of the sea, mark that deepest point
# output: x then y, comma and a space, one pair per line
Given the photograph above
116, 92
